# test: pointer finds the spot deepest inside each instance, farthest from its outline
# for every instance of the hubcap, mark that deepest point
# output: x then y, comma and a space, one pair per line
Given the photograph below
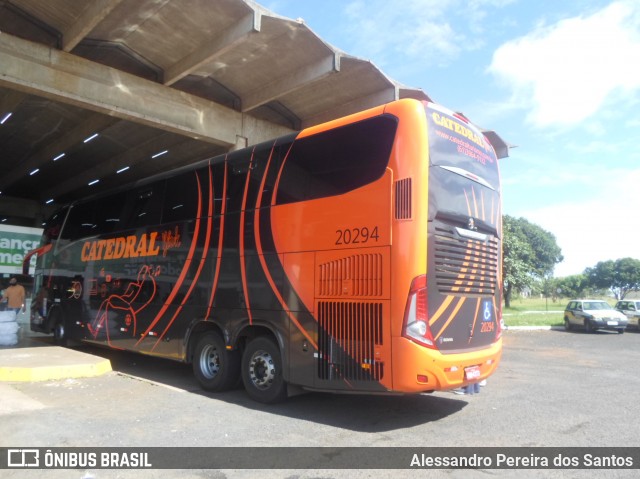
210, 362
262, 370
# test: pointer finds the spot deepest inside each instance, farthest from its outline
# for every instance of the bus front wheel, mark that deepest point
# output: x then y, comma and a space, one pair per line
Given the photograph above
214, 366
262, 371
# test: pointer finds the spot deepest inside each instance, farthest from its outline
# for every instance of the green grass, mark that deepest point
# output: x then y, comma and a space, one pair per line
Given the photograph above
540, 318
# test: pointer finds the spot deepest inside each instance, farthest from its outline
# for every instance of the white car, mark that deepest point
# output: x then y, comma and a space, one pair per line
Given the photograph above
631, 309
593, 314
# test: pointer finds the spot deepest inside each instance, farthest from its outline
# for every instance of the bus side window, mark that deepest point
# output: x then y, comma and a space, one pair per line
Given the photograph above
94, 218
81, 222
143, 206
181, 198
337, 161
108, 214
218, 171
271, 154
238, 163
253, 162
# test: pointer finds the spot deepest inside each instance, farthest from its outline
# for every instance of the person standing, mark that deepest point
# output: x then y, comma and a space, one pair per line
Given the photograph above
15, 295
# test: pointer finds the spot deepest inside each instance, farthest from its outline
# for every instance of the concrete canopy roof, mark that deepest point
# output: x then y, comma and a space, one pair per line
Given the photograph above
182, 79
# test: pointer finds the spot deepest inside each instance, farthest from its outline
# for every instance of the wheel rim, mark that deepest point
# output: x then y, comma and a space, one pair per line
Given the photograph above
59, 331
566, 324
210, 362
262, 370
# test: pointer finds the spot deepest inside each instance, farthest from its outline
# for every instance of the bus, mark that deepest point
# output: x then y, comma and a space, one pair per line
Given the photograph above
362, 255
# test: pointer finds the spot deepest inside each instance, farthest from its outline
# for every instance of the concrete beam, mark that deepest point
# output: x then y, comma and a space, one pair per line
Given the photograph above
292, 81
39, 70
213, 48
93, 14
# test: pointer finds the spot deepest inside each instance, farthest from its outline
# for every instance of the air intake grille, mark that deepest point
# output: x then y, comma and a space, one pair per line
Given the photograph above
403, 199
465, 266
347, 335
358, 275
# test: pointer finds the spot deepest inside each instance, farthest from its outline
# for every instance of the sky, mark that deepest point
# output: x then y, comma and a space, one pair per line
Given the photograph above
560, 80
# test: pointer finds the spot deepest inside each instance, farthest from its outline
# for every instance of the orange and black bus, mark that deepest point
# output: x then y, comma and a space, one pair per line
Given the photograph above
361, 255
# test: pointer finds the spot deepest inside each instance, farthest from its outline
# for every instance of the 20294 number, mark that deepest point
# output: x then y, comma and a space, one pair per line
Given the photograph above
357, 235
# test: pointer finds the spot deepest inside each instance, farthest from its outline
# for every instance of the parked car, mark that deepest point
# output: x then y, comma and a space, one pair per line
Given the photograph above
631, 309
593, 314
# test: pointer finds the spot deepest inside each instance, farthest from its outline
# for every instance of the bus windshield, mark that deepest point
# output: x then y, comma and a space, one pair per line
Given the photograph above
53, 226
464, 178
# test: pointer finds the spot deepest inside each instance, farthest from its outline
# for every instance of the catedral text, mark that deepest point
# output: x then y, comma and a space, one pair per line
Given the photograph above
458, 128
121, 247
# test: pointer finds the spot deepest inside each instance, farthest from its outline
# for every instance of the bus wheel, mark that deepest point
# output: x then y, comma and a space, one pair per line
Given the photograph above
59, 330
214, 366
262, 371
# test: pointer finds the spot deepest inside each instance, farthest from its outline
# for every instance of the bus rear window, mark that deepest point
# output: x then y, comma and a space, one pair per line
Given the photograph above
460, 146
337, 161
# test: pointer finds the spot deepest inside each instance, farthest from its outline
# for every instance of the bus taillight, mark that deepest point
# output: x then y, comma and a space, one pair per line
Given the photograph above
416, 318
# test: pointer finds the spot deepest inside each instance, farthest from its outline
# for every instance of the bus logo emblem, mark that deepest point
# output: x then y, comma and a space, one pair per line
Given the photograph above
23, 458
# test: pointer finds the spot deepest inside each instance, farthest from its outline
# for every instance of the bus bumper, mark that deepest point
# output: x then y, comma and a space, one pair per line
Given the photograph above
419, 369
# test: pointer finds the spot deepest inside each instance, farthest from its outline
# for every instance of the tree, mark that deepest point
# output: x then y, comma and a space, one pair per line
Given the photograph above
620, 276
528, 252
515, 259
572, 286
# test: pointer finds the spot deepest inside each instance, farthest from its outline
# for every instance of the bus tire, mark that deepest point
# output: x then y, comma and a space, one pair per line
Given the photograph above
214, 366
262, 371
59, 329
